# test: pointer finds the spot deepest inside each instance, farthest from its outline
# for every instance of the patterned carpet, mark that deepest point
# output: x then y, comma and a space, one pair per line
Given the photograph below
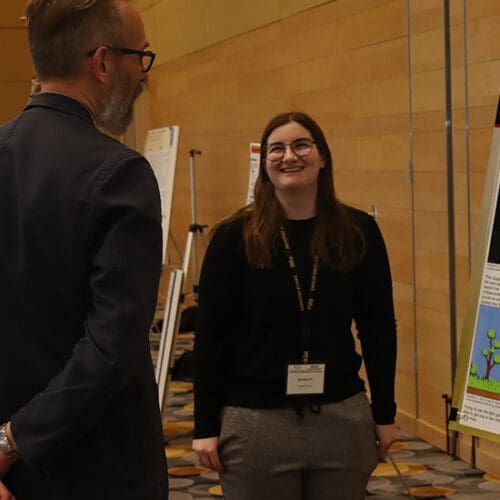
426, 472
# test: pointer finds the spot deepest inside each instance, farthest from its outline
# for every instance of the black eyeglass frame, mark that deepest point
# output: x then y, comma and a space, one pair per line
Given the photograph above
142, 53
291, 144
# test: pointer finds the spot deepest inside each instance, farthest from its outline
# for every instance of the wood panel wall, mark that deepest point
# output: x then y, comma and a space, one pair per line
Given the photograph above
16, 71
347, 64
177, 27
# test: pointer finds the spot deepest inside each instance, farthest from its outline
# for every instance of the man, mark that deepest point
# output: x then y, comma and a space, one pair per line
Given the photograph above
80, 257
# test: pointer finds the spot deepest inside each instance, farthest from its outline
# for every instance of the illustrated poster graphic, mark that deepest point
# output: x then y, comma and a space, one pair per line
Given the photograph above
476, 397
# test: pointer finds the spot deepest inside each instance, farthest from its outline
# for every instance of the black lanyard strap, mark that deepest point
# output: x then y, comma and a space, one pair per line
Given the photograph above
296, 280
305, 331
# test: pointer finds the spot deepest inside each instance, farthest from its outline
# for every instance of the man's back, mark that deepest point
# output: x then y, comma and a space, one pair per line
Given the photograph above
79, 258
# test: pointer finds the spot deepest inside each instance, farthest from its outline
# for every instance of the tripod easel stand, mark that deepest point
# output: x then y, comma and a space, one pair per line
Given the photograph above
195, 229
175, 296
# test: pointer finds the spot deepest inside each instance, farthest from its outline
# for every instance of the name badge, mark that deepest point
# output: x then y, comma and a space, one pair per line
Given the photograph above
305, 379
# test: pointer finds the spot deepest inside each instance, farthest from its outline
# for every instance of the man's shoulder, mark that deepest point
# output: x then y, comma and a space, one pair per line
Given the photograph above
7, 128
53, 115
69, 145
85, 143
112, 148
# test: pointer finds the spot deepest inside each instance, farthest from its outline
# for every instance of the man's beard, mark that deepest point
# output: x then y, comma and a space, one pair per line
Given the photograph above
117, 105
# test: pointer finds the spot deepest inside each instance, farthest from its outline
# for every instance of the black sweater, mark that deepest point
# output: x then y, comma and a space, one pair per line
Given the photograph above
249, 326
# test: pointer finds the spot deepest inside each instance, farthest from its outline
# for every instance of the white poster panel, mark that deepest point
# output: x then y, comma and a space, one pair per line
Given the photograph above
253, 170
476, 398
161, 152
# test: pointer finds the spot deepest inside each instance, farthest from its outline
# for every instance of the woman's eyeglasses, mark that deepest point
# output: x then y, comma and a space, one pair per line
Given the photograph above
300, 147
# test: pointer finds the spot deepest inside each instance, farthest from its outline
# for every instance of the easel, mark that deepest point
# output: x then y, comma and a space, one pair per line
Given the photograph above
195, 229
176, 296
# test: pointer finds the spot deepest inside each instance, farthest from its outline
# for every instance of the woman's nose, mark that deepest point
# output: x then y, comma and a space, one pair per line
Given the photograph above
289, 153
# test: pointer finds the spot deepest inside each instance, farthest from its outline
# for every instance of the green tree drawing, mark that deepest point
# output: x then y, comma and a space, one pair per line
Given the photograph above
490, 355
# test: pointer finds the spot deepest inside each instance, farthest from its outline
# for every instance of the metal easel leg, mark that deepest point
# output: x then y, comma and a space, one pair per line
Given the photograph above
194, 229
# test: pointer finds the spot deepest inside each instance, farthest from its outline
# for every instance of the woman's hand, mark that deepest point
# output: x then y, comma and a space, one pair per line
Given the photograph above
206, 449
386, 434
5, 463
5, 494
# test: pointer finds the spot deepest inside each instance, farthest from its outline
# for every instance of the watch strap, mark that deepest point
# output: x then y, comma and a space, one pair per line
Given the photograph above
5, 446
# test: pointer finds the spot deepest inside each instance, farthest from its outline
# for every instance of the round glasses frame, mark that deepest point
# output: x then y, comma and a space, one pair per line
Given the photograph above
275, 151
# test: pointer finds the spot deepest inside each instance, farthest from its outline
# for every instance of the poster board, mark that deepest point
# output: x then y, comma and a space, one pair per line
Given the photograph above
476, 397
161, 152
168, 335
253, 172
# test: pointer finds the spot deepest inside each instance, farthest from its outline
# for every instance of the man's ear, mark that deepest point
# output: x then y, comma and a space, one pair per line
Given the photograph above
101, 64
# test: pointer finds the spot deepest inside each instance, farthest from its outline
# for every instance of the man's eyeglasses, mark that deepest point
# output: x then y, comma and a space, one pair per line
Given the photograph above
300, 147
147, 57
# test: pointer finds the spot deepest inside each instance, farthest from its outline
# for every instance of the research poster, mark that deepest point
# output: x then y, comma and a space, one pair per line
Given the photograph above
161, 152
476, 398
254, 158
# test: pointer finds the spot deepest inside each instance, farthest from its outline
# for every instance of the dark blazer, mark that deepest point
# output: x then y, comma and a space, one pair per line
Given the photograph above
80, 258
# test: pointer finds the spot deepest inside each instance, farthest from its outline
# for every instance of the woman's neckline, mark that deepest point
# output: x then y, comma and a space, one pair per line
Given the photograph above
307, 219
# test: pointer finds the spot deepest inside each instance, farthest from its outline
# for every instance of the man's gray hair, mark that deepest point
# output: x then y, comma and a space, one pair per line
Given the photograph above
62, 32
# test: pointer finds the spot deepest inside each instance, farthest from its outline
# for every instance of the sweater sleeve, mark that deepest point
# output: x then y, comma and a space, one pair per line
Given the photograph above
219, 303
376, 323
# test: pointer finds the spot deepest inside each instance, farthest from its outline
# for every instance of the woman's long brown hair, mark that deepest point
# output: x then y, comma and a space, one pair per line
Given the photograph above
337, 240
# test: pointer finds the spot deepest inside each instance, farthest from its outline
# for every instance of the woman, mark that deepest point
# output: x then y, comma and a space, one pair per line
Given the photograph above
280, 411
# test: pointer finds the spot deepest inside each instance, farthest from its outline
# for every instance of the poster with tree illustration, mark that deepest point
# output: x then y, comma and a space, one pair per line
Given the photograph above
484, 373
475, 407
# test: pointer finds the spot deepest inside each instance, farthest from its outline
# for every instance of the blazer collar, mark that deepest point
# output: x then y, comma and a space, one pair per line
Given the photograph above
60, 102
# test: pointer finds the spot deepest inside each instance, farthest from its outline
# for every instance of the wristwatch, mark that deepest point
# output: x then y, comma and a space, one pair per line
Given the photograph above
5, 446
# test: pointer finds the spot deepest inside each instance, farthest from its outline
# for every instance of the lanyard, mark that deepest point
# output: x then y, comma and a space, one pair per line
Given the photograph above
306, 329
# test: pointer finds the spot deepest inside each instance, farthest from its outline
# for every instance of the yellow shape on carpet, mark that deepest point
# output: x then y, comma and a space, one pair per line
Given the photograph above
491, 477
177, 452
431, 491
180, 427
216, 491
187, 470
398, 446
180, 386
386, 469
